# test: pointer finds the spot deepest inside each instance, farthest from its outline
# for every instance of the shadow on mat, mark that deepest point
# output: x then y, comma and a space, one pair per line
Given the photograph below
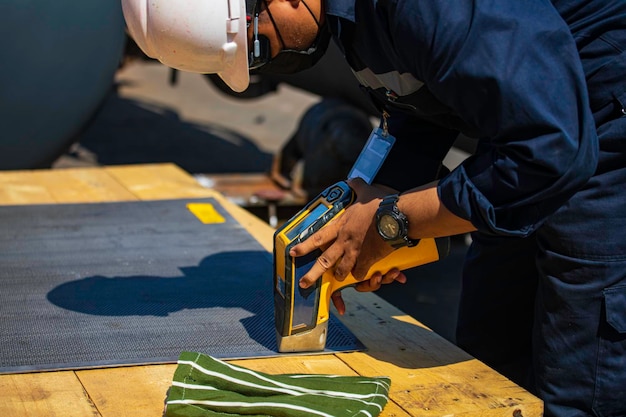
233, 285
235, 291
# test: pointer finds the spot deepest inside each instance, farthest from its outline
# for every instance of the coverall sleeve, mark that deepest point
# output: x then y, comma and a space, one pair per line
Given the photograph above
511, 69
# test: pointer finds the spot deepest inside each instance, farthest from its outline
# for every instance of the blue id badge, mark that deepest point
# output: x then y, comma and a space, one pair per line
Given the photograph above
372, 156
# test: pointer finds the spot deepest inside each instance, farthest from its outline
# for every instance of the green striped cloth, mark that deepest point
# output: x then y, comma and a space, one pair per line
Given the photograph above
204, 386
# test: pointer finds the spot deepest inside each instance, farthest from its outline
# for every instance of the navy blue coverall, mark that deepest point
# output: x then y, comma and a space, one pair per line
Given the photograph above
542, 86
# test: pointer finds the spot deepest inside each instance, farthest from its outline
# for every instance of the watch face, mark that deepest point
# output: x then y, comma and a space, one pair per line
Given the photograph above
388, 226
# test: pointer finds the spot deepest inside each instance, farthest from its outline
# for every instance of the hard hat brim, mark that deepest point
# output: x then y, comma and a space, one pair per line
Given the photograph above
238, 77
200, 36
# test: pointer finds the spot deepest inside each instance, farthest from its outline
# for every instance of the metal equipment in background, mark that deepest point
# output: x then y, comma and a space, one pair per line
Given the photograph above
58, 63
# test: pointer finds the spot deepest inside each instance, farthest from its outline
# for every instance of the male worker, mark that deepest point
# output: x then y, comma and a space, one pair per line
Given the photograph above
542, 86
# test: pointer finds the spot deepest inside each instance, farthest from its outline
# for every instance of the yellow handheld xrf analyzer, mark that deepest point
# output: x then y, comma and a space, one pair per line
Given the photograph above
301, 315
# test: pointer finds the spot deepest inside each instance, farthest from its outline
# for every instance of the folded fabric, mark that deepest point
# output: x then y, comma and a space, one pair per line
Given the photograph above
204, 386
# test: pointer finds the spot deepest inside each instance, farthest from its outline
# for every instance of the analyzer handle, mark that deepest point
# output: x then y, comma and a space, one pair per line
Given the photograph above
426, 251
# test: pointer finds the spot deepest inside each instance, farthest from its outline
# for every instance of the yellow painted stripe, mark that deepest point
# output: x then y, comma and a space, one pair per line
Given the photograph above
206, 213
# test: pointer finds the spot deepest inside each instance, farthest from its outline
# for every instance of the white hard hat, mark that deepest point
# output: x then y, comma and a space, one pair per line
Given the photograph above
204, 36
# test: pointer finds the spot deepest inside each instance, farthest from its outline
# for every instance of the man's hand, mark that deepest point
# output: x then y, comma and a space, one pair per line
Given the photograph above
349, 243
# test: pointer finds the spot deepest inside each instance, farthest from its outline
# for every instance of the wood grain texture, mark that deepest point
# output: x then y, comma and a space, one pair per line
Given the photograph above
157, 181
50, 394
430, 376
84, 185
128, 391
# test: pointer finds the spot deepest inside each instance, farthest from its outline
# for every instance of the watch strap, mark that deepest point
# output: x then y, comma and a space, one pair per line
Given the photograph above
389, 205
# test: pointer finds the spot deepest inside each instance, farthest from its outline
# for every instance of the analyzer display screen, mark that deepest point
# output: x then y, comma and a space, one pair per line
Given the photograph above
315, 213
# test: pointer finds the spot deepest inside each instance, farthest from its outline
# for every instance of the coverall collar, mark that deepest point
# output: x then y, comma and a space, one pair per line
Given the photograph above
341, 8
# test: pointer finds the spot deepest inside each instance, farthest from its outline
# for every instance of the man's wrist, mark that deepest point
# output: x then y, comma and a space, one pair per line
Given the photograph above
392, 224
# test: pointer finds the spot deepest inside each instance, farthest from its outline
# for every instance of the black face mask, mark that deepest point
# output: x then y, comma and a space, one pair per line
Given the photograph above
287, 61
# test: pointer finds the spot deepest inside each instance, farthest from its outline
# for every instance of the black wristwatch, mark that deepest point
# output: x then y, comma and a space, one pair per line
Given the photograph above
392, 224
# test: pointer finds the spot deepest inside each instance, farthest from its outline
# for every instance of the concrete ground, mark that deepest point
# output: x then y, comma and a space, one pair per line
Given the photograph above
146, 119
191, 123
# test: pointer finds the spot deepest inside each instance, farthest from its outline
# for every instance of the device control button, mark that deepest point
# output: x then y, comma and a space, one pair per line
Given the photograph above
334, 194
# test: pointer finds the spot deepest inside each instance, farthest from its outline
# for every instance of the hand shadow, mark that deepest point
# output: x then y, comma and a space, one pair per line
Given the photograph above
228, 290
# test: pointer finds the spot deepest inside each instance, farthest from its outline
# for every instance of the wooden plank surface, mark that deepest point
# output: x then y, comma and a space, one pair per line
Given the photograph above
54, 394
430, 376
89, 185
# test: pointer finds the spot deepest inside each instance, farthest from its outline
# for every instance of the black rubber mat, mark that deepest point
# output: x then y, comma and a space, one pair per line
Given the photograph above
94, 285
